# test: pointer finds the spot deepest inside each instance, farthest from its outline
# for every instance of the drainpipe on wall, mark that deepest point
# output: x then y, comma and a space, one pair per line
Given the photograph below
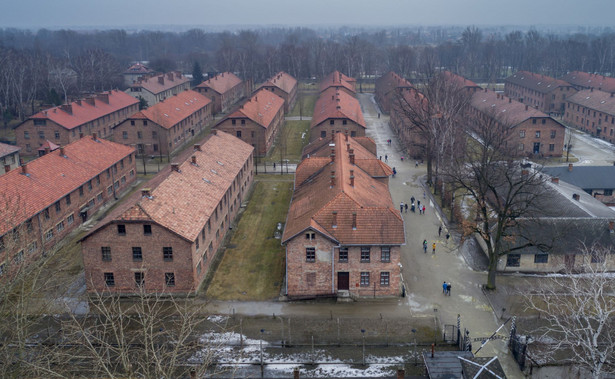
286, 273
333, 270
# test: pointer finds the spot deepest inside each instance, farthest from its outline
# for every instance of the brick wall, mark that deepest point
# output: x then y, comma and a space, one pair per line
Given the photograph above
354, 129
545, 131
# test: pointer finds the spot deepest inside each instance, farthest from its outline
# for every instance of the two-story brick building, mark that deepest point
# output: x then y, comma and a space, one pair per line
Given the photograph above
531, 132
223, 90
257, 121
592, 111
285, 86
136, 71
164, 238
9, 157
163, 128
542, 92
388, 87
585, 80
339, 81
336, 111
342, 233
45, 199
66, 123
156, 88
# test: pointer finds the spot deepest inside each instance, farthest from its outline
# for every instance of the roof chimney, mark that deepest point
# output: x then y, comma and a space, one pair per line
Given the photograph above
569, 167
24, 168
197, 147
334, 222
161, 79
103, 97
194, 160
576, 196
611, 227
214, 132
347, 147
7, 167
332, 178
67, 108
47, 150
555, 180
80, 135
146, 192
510, 100
94, 136
175, 167
352, 178
346, 134
62, 151
526, 107
354, 221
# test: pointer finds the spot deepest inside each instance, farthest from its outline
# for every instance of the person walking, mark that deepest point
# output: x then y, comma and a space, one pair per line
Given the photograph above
440, 231
402, 158
447, 236
412, 200
444, 286
406, 207
423, 209
273, 166
381, 157
425, 246
401, 207
433, 248
386, 158
448, 288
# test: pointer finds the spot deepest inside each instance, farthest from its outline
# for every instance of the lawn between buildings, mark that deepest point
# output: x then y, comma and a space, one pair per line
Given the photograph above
252, 267
289, 143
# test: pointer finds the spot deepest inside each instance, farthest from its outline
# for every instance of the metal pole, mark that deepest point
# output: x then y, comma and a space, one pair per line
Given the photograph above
313, 356
363, 333
415, 357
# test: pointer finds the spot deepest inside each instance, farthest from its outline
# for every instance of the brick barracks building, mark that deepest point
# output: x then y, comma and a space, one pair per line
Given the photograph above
336, 111
66, 123
164, 238
45, 199
342, 233
542, 92
592, 111
285, 86
157, 88
223, 90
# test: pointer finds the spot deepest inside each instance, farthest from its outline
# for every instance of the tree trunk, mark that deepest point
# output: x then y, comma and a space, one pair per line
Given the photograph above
493, 267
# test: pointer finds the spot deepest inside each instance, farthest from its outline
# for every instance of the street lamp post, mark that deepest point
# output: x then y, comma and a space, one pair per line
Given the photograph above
261, 348
415, 357
363, 334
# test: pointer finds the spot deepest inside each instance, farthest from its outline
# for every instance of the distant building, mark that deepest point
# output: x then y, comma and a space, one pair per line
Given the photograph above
542, 92
531, 131
9, 157
257, 122
343, 233
388, 88
285, 86
584, 80
340, 82
224, 90
157, 88
592, 111
136, 71
408, 134
336, 111
43, 200
598, 181
66, 123
164, 238
163, 128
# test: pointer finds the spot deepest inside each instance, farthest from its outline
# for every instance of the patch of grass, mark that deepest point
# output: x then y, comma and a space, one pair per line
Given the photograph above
304, 106
253, 265
289, 143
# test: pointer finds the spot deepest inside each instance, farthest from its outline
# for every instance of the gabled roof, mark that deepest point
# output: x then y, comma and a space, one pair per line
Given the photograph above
173, 109
283, 81
159, 83
48, 145
595, 99
315, 200
260, 108
138, 68
390, 82
8, 149
221, 83
587, 80
83, 111
333, 103
52, 176
505, 109
183, 201
337, 79
586, 177
459, 80
536, 82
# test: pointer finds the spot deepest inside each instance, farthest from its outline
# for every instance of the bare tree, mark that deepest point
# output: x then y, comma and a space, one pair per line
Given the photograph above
578, 315
498, 186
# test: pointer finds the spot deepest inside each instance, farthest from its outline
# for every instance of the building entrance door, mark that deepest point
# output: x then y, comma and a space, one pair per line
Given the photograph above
343, 281
536, 147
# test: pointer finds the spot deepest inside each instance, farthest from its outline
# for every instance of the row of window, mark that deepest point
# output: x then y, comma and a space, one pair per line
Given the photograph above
385, 254
137, 253
537, 133
385, 278
551, 146
139, 135
514, 260
139, 276
323, 133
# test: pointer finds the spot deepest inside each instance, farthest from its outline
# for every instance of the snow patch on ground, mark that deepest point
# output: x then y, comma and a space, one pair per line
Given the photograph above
217, 319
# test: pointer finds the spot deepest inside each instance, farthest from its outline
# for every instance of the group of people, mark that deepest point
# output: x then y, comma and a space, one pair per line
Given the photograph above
433, 247
446, 288
403, 207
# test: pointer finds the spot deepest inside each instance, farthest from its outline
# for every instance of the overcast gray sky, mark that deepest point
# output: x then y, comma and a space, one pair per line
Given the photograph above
119, 13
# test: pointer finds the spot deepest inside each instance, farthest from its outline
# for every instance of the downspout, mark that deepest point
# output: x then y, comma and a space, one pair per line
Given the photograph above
286, 273
333, 270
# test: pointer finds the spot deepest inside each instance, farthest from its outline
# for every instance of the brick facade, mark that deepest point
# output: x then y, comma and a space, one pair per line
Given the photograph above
592, 111
284, 86
157, 88
224, 90
67, 123
539, 91
388, 86
336, 112
9, 157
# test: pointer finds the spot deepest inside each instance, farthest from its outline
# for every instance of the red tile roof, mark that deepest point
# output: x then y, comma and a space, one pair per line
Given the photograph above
390, 82
160, 83
51, 177
597, 100
138, 68
83, 111
183, 201
7, 149
173, 109
48, 145
536, 82
337, 79
221, 83
587, 80
459, 80
505, 109
333, 103
283, 81
315, 200
261, 108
